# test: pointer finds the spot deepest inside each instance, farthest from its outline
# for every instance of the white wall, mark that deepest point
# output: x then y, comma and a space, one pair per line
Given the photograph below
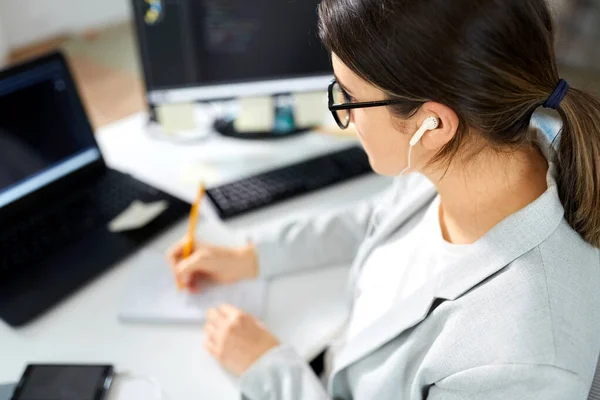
30, 21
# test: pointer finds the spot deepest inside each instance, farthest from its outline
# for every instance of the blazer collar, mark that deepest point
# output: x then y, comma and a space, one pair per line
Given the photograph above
507, 241
511, 238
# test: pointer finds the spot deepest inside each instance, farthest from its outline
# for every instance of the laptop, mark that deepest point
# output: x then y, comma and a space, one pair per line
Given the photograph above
57, 196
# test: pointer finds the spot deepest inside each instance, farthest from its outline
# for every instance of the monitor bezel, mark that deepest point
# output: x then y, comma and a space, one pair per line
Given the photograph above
157, 95
233, 90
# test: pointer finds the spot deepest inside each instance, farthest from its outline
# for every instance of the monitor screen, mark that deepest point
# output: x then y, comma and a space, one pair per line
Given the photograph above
200, 43
42, 136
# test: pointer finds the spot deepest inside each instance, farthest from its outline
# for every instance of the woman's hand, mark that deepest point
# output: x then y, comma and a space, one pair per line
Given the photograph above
236, 339
212, 263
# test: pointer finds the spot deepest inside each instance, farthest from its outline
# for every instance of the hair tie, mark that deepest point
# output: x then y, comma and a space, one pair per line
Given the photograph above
558, 95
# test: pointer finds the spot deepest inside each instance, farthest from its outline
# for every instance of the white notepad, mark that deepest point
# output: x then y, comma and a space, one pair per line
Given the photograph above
152, 295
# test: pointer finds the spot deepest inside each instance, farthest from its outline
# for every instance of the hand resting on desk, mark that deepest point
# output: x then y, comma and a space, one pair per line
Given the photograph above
234, 338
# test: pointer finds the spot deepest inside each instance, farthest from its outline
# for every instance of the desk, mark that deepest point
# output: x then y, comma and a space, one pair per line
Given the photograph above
84, 328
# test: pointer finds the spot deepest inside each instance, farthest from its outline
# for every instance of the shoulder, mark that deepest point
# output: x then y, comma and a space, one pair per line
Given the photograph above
543, 308
572, 279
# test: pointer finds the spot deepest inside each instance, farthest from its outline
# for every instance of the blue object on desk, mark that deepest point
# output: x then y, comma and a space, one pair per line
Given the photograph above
284, 115
6, 391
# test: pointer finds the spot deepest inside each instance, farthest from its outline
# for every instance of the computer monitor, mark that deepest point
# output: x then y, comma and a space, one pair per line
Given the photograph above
200, 50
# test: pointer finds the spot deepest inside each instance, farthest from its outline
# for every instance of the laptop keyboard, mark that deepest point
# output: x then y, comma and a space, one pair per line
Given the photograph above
39, 236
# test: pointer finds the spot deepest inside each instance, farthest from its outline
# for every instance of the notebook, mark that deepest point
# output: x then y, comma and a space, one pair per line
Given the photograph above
152, 295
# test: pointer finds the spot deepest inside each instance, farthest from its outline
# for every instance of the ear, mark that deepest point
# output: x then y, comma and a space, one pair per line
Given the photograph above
438, 138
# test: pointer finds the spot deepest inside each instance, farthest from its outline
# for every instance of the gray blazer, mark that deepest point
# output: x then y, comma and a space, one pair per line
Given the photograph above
518, 317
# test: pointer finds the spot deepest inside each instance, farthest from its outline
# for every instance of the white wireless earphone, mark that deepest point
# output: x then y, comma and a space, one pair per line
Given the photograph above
429, 124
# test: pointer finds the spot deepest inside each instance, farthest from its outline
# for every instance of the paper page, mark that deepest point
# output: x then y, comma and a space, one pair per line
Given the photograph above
310, 109
137, 215
153, 296
176, 118
255, 114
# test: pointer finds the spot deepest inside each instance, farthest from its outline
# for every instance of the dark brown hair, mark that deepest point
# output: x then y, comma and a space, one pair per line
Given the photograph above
491, 61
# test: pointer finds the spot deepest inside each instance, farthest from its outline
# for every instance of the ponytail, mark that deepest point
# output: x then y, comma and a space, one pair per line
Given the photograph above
579, 163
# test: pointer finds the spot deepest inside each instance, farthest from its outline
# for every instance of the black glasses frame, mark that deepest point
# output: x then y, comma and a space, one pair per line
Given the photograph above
333, 107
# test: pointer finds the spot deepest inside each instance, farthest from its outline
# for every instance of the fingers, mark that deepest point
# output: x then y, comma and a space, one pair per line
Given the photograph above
214, 331
188, 269
211, 330
175, 253
210, 342
230, 311
184, 270
212, 334
194, 286
232, 318
201, 280
216, 317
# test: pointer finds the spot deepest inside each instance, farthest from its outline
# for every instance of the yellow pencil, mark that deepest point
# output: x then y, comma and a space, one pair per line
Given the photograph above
191, 236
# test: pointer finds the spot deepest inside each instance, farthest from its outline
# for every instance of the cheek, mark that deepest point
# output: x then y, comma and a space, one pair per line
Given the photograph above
360, 122
385, 145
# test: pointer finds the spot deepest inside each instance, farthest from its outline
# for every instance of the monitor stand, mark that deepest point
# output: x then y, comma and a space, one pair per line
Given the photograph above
284, 124
226, 128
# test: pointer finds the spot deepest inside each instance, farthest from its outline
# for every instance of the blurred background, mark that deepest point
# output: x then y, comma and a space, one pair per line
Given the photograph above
578, 42
99, 38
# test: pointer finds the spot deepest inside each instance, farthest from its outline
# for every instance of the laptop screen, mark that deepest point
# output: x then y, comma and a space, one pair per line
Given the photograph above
44, 136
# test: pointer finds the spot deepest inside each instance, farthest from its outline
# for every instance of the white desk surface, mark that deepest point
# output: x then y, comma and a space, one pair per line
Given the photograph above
84, 328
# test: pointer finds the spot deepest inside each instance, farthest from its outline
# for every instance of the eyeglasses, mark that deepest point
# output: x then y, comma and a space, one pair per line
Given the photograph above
340, 104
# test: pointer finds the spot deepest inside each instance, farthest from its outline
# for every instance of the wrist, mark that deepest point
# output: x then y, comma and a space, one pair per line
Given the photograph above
260, 358
250, 261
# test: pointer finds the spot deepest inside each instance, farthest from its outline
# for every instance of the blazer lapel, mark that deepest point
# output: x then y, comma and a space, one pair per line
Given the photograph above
403, 316
421, 194
416, 307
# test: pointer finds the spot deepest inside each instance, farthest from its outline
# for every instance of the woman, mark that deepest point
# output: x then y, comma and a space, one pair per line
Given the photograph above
479, 277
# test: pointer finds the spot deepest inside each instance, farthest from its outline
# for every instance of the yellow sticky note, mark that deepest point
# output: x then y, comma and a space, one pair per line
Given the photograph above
310, 109
255, 114
176, 117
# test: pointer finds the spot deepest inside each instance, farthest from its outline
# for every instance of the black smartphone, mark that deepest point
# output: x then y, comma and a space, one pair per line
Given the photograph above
64, 382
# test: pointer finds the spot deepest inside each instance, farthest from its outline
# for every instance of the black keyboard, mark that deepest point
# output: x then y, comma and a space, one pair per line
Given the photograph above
275, 186
33, 239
